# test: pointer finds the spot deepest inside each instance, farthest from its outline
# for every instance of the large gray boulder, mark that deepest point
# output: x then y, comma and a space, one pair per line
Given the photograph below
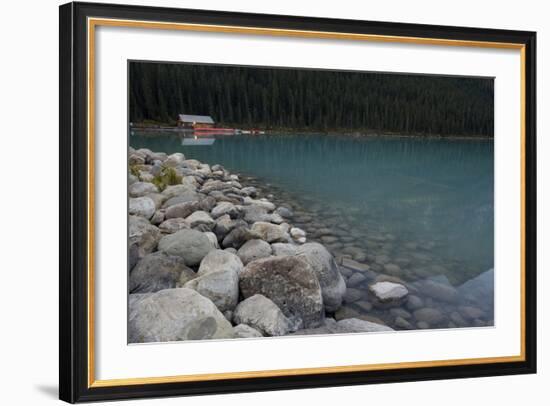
142, 206
225, 224
173, 225
176, 190
182, 210
237, 237
191, 245
140, 189
323, 264
262, 314
225, 208
185, 197
157, 198
221, 287
175, 315
218, 260
215, 185
253, 250
255, 213
264, 203
290, 283
143, 238
200, 218
281, 249
158, 271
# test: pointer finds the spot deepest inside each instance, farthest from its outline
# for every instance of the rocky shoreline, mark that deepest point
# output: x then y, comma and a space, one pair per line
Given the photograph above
214, 256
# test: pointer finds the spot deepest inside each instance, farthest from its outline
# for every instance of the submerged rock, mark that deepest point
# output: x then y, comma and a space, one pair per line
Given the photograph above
480, 290
388, 293
284, 212
290, 283
352, 295
356, 279
438, 291
175, 315
414, 302
429, 315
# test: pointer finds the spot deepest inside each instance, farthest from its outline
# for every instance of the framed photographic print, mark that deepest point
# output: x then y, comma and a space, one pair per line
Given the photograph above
256, 202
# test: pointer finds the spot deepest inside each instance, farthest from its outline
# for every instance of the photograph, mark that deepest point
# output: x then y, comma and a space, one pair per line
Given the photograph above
286, 201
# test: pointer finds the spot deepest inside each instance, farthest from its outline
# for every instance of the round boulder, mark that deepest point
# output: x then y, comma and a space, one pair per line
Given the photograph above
262, 314
200, 218
217, 260
254, 249
221, 287
140, 189
191, 245
323, 264
290, 283
142, 206
175, 315
143, 238
158, 271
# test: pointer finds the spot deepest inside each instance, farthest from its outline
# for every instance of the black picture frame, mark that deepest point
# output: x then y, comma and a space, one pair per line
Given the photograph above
74, 199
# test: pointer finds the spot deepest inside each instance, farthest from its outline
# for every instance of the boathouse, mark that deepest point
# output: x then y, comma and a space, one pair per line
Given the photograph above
192, 121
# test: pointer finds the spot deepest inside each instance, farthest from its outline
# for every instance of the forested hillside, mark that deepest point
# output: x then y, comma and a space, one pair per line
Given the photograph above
312, 99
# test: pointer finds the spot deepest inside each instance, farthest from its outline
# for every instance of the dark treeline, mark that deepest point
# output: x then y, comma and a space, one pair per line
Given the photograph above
312, 99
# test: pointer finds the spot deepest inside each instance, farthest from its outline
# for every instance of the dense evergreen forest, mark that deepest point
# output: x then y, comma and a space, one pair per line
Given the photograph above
314, 100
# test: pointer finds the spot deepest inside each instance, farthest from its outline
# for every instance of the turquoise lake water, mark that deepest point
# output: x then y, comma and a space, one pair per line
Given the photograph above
426, 202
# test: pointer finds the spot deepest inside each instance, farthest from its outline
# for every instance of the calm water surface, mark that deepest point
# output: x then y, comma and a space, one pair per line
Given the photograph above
427, 204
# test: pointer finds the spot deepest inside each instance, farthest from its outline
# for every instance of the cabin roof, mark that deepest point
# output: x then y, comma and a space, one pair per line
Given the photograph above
189, 118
